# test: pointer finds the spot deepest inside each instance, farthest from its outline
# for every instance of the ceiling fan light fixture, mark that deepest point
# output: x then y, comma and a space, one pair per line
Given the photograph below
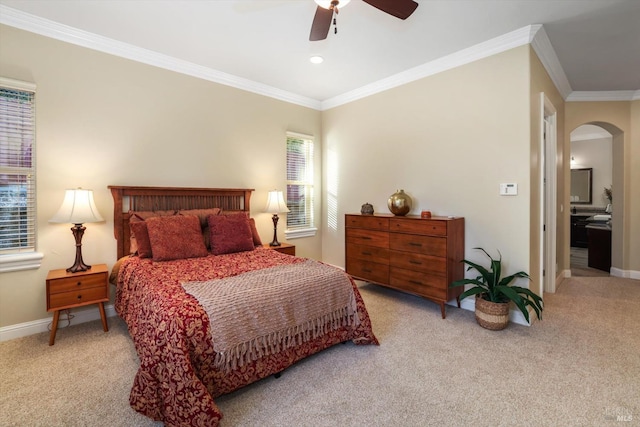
327, 3
316, 59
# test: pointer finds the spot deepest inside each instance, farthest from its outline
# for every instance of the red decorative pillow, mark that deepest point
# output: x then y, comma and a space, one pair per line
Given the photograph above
140, 233
202, 215
175, 237
138, 216
230, 233
257, 241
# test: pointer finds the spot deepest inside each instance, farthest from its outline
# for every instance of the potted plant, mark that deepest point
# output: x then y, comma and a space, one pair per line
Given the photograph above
494, 294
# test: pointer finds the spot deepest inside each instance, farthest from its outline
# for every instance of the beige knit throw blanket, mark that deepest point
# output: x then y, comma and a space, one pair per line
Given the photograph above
261, 312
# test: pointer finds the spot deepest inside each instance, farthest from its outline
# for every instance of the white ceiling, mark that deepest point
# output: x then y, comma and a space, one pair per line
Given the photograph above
265, 43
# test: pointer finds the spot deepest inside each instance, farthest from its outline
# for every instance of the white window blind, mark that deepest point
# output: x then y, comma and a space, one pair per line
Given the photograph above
300, 197
17, 167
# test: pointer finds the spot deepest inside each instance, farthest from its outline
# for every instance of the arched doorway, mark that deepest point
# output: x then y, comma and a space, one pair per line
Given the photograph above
618, 191
591, 178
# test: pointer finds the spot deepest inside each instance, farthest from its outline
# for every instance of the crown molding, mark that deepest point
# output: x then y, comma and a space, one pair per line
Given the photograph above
547, 55
532, 34
65, 33
482, 50
612, 95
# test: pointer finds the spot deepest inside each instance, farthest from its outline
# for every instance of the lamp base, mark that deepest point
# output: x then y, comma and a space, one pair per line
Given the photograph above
275, 231
78, 265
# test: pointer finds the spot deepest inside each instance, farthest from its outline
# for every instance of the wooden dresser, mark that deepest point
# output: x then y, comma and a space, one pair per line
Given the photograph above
408, 253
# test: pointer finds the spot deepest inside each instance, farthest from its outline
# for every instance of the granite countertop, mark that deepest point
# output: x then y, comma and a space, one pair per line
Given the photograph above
599, 225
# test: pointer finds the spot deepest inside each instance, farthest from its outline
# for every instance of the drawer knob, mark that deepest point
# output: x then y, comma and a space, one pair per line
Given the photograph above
366, 238
366, 253
415, 262
79, 283
415, 244
366, 270
415, 282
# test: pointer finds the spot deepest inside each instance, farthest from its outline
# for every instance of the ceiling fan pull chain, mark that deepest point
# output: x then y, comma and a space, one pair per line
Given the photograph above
335, 26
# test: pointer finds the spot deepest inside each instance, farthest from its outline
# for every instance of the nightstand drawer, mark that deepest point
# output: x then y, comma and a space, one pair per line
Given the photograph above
72, 298
76, 283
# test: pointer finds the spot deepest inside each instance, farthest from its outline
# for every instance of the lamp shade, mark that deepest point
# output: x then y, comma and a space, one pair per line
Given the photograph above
77, 207
275, 203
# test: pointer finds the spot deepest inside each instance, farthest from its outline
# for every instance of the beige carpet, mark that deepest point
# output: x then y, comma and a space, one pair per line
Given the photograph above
580, 366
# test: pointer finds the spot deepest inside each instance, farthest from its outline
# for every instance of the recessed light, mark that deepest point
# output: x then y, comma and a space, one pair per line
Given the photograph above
316, 59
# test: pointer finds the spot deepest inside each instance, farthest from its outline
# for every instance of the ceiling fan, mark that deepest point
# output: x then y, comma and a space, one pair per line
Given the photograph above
327, 8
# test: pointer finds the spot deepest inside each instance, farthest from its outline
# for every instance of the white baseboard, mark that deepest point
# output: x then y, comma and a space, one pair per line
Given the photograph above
88, 314
627, 274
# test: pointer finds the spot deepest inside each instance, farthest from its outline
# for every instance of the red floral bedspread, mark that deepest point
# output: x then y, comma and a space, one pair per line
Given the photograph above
176, 382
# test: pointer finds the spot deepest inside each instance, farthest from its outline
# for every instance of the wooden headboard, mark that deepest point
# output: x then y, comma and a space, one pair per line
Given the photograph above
126, 199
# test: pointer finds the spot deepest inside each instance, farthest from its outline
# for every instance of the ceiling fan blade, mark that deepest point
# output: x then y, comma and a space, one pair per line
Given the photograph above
399, 8
321, 24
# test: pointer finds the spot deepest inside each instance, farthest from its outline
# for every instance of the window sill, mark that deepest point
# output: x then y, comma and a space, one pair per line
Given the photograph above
18, 262
300, 232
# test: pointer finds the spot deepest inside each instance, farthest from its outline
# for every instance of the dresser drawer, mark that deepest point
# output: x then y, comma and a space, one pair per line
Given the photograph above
76, 283
368, 253
432, 227
419, 262
419, 283
360, 236
368, 270
428, 245
71, 298
370, 222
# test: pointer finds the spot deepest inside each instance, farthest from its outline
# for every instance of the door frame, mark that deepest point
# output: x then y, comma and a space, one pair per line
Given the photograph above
548, 193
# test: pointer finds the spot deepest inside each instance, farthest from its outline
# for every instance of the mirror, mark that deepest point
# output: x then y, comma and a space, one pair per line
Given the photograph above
581, 180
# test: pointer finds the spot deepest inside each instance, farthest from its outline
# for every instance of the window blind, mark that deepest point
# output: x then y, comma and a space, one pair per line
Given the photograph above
17, 167
300, 197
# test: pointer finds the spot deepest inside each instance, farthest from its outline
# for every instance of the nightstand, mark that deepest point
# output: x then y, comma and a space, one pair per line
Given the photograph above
284, 248
69, 290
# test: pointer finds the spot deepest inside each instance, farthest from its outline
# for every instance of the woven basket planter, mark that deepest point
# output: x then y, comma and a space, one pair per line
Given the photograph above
492, 315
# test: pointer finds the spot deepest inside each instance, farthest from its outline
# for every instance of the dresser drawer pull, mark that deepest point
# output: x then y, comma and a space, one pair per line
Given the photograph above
366, 237
79, 296
367, 253
415, 244
366, 270
414, 262
415, 282
79, 283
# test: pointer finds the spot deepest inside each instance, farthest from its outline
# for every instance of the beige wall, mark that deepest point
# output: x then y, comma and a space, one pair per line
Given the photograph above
448, 140
105, 120
541, 83
621, 119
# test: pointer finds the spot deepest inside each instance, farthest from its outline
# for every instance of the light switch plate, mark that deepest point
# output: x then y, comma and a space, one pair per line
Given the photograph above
510, 189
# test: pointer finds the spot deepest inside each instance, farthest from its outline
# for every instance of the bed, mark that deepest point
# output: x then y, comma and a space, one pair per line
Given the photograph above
206, 323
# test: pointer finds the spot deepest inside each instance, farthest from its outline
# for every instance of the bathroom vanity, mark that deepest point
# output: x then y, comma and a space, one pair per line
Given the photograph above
599, 242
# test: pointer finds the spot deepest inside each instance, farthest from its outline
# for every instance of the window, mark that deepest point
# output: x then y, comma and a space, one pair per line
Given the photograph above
300, 196
17, 176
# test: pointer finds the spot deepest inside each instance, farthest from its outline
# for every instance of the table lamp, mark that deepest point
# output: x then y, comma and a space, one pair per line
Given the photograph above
275, 205
77, 208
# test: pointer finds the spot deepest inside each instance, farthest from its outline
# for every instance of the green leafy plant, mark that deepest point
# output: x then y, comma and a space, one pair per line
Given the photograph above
490, 286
